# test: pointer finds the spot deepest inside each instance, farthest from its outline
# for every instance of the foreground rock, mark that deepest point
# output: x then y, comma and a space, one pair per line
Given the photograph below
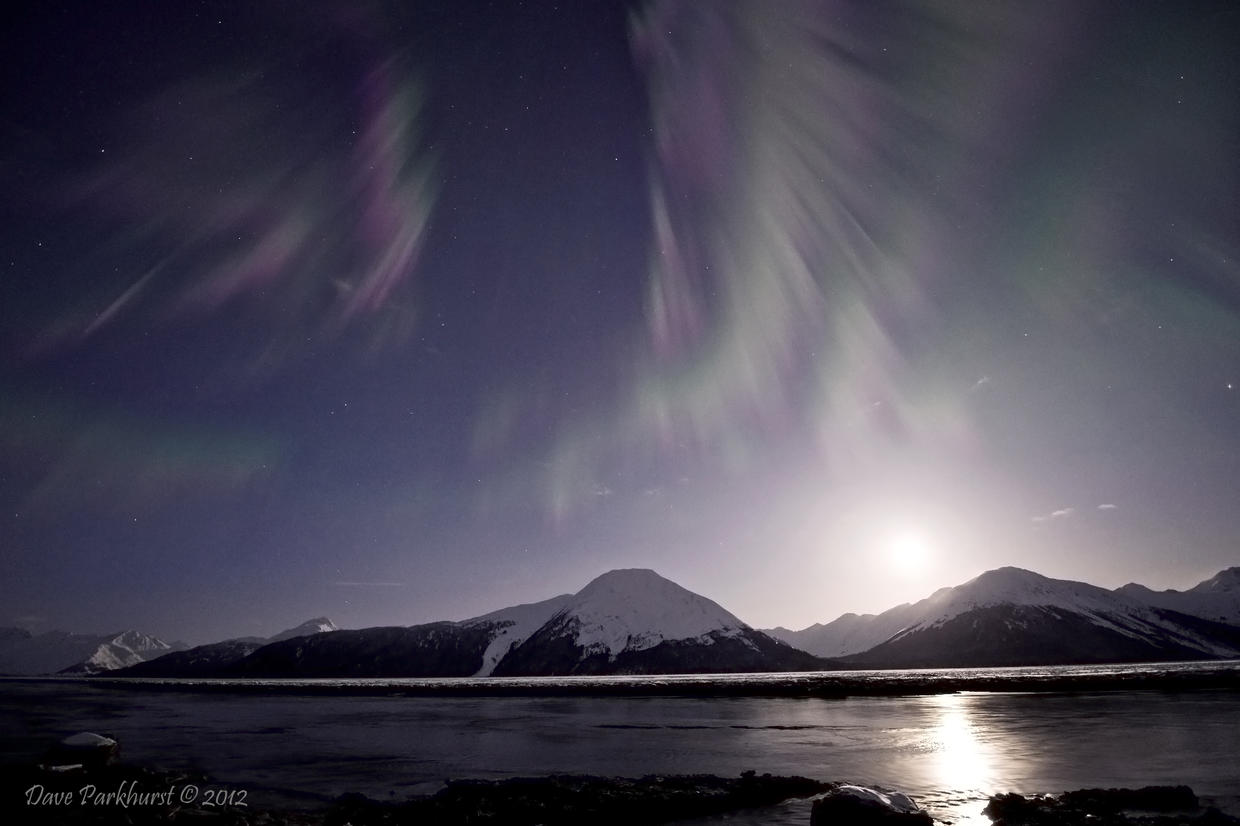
859, 806
85, 750
862, 806
120, 794
1147, 806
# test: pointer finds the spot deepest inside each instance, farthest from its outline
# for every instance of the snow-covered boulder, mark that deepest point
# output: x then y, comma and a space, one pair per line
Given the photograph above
85, 749
860, 806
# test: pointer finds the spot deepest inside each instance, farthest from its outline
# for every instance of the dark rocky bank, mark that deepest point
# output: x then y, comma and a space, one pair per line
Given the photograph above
153, 797
1147, 806
135, 796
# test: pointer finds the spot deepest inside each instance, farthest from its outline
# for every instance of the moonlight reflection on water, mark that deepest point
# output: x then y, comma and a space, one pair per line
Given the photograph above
962, 758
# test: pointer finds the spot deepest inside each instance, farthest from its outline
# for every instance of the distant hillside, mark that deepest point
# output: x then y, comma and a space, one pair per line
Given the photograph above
211, 659
1216, 599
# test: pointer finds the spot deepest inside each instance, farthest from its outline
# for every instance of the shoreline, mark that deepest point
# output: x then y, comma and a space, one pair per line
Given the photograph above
824, 685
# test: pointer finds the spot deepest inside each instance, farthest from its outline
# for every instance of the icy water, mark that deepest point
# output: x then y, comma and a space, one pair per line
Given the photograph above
950, 751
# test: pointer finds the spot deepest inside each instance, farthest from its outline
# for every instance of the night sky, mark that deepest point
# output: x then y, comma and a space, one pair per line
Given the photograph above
404, 311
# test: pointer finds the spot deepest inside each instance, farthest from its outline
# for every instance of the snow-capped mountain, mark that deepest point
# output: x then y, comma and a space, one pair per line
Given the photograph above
635, 621
1217, 598
1011, 616
1011, 598
1016, 586
854, 634
60, 651
125, 649
635, 609
205, 660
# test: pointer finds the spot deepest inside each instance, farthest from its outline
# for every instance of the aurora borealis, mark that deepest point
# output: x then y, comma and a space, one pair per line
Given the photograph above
403, 312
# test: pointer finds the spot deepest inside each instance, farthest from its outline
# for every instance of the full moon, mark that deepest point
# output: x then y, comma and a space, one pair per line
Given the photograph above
908, 553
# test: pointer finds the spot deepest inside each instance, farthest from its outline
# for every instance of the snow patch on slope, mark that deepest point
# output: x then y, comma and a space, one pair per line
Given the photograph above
516, 625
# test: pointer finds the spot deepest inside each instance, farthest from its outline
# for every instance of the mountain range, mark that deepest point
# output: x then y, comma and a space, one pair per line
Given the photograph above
637, 622
61, 652
205, 660
623, 622
1010, 616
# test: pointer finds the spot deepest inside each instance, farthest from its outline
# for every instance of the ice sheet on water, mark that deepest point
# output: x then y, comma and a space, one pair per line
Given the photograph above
917, 680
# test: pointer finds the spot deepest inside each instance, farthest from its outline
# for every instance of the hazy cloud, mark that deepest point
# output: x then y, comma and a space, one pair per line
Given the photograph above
369, 584
1108, 507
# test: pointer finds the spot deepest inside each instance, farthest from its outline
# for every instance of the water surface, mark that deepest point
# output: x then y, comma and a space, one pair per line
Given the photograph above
950, 751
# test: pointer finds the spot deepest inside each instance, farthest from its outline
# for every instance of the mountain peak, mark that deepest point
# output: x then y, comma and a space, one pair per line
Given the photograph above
627, 578
1225, 580
1017, 586
1011, 574
634, 621
1002, 585
317, 625
134, 638
636, 608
